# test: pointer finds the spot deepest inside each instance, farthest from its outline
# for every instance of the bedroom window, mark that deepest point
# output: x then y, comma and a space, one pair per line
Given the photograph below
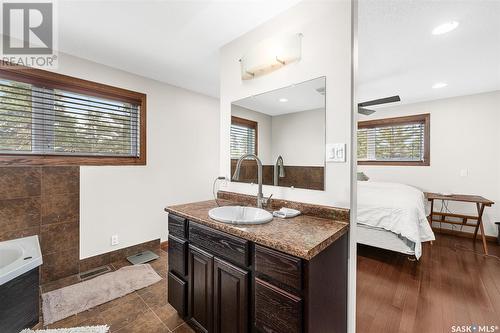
243, 137
48, 118
395, 141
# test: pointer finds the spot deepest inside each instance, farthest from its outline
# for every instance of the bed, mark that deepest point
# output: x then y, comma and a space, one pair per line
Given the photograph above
392, 216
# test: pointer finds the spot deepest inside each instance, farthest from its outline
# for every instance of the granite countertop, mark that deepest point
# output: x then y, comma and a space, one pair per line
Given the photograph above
303, 236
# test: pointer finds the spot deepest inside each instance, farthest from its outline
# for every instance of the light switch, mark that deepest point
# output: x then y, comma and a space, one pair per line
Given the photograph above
335, 152
464, 172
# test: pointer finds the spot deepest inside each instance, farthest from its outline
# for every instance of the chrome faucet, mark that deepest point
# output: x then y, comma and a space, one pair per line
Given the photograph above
260, 197
281, 167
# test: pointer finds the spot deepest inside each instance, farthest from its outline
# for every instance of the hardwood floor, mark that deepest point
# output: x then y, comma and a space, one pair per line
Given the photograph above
450, 285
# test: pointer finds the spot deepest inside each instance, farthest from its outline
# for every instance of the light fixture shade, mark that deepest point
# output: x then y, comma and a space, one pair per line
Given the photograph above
270, 55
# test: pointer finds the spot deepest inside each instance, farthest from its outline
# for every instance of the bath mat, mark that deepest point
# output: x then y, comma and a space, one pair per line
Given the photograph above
86, 329
62, 303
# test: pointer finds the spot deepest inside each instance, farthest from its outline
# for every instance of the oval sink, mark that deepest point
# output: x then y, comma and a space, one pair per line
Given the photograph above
240, 215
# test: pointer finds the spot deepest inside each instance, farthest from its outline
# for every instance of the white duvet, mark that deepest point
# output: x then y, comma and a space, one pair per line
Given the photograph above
395, 207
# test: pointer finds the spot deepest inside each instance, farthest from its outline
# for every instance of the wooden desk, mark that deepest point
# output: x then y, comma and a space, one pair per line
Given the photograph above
480, 202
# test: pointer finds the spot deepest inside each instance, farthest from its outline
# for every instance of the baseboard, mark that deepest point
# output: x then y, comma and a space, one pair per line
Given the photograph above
164, 246
121, 254
463, 234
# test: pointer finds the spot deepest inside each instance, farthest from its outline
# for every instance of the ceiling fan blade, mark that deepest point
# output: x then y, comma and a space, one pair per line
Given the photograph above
365, 111
384, 100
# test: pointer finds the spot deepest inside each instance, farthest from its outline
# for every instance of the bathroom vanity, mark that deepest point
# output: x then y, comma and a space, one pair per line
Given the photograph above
289, 275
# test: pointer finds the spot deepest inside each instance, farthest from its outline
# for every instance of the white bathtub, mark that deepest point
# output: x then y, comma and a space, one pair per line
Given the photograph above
19, 256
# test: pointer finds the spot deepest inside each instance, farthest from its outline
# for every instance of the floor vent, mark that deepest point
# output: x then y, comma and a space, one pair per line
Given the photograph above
94, 272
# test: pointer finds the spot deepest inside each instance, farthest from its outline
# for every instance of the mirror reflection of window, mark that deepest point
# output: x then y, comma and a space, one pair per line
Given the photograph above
243, 137
290, 141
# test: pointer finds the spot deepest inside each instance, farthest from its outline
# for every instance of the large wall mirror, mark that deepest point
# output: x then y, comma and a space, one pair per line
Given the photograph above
285, 128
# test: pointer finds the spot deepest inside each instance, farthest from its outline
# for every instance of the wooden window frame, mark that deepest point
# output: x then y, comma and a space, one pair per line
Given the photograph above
406, 120
247, 123
53, 80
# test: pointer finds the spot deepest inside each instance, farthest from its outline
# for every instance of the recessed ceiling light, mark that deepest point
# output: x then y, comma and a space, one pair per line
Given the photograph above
445, 27
439, 85
283, 100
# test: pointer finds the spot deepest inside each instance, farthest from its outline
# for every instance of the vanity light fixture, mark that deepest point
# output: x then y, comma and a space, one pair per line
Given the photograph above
445, 28
439, 85
283, 100
271, 54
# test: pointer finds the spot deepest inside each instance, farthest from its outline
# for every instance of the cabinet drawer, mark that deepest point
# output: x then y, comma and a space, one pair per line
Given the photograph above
276, 310
224, 245
177, 293
177, 250
281, 269
177, 226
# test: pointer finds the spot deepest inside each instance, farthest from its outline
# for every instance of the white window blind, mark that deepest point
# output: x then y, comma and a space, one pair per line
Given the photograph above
398, 142
243, 140
40, 121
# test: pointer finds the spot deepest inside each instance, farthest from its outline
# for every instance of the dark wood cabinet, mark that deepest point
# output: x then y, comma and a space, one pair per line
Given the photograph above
276, 310
177, 293
278, 268
220, 243
200, 289
225, 284
231, 302
177, 226
177, 249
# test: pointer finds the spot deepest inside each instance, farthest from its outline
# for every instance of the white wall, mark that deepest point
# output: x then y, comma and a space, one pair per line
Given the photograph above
464, 136
264, 133
326, 51
182, 150
300, 138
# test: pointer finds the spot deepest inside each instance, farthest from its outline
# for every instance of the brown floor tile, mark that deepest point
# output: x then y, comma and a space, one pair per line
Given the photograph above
159, 264
146, 322
184, 329
64, 323
169, 316
123, 314
155, 295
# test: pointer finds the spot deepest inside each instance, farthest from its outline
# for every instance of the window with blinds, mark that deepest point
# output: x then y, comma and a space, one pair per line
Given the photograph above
399, 141
243, 137
43, 121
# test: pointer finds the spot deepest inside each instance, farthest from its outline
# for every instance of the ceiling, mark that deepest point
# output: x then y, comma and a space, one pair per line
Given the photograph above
174, 41
299, 97
398, 54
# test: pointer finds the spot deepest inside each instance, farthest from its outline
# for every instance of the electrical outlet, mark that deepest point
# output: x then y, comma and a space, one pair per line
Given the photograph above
114, 240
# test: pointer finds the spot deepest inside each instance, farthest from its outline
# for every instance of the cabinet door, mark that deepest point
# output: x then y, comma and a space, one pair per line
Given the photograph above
230, 298
200, 299
177, 293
